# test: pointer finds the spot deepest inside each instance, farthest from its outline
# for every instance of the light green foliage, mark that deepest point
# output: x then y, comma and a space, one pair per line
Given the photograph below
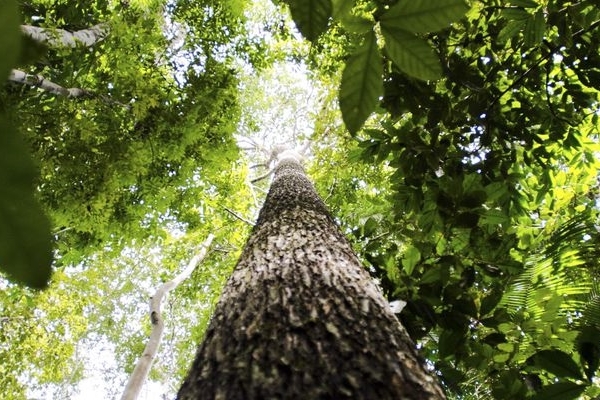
132, 177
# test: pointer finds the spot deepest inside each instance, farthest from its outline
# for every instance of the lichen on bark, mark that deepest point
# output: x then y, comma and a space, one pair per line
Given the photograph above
300, 318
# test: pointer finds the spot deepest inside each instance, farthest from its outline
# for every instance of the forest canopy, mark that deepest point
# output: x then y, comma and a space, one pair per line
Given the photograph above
456, 144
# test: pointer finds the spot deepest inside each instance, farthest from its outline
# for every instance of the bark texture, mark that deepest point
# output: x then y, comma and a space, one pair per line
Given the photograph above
300, 318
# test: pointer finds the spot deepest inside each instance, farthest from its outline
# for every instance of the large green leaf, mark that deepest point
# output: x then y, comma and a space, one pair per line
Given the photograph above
25, 238
311, 16
558, 363
421, 16
411, 54
560, 391
411, 258
10, 37
362, 84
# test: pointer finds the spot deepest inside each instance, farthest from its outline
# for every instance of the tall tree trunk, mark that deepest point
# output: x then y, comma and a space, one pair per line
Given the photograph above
300, 318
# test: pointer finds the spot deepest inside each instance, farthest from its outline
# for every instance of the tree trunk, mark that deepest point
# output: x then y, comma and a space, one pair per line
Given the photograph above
300, 318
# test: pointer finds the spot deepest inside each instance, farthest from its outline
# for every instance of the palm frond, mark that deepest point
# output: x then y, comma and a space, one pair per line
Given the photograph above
558, 267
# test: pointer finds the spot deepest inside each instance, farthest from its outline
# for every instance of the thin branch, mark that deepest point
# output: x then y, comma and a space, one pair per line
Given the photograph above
236, 215
44, 84
142, 368
264, 176
64, 38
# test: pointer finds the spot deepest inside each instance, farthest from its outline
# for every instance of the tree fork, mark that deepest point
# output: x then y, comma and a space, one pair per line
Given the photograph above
301, 318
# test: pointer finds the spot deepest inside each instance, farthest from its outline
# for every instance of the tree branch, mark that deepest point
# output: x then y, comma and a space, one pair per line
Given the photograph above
73, 93
64, 38
142, 368
46, 85
236, 215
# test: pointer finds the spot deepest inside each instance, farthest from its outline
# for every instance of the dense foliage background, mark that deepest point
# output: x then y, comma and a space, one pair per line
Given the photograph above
456, 144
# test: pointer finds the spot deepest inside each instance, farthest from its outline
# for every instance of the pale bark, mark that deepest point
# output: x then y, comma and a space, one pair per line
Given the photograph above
140, 373
40, 82
300, 318
64, 38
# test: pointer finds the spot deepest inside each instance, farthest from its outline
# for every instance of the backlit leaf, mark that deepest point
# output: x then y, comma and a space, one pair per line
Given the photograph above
558, 363
534, 29
560, 391
412, 255
421, 16
361, 84
311, 16
412, 54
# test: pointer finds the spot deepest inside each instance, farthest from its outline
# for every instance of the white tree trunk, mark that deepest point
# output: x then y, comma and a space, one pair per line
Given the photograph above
142, 368
64, 38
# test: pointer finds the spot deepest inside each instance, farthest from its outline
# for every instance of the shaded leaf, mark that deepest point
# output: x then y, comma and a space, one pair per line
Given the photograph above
25, 238
558, 363
560, 391
412, 54
311, 16
361, 84
10, 36
420, 16
524, 3
534, 29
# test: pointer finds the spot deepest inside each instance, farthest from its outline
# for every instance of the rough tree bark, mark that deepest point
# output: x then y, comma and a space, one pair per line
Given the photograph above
300, 318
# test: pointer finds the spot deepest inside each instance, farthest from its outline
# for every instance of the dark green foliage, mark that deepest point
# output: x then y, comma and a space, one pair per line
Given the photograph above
25, 241
490, 228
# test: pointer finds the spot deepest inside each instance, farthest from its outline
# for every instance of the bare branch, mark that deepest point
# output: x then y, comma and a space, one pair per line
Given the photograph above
142, 368
40, 82
46, 85
64, 38
236, 215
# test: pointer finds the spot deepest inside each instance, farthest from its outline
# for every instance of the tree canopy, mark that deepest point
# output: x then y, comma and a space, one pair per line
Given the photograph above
455, 143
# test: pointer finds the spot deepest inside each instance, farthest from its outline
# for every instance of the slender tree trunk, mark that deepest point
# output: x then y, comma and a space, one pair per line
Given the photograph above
142, 368
300, 318
63, 38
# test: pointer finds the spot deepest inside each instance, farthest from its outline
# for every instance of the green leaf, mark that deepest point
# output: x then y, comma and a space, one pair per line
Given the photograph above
10, 36
25, 237
362, 84
420, 16
511, 30
524, 3
370, 226
412, 255
535, 28
560, 391
515, 14
311, 16
558, 363
412, 54
450, 341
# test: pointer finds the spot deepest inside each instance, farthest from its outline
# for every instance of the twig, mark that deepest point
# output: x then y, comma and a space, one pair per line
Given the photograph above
236, 215
260, 178
142, 368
